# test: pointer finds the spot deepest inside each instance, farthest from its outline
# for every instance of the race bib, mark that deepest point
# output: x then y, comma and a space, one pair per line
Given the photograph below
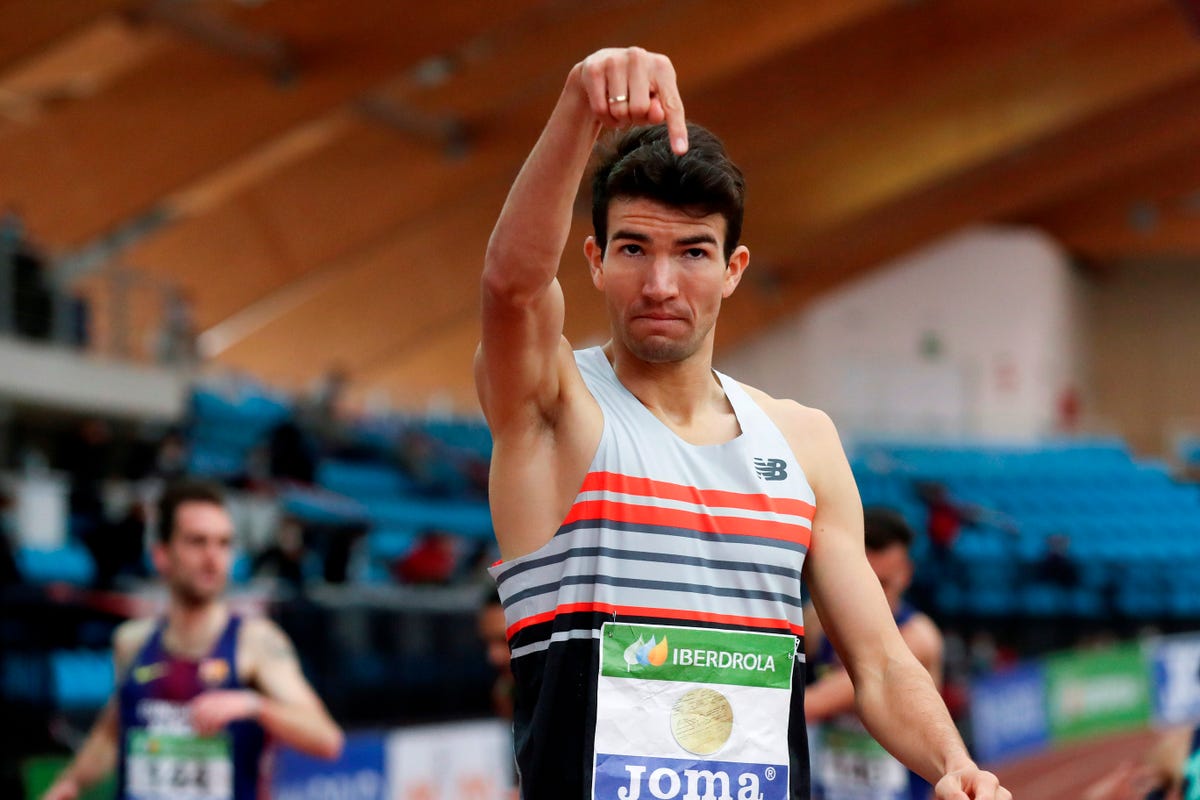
851, 765
692, 712
178, 766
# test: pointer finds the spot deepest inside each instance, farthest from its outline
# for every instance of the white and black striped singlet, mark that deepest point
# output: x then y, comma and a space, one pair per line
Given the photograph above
661, 533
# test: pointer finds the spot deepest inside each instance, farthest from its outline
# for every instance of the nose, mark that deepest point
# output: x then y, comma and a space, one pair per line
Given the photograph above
660, 283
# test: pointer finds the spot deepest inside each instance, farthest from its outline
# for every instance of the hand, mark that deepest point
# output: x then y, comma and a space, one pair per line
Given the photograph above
629, 86
212, 711
63, 789
971, 783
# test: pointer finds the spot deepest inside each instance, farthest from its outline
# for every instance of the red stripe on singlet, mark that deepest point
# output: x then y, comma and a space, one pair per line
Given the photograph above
661, 613
647, 487
691, 520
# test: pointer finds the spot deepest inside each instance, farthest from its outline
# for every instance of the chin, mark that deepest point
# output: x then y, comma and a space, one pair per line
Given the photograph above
657, 350
199, 595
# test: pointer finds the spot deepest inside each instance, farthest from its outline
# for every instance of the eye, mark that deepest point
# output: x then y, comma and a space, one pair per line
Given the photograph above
631, 249
695, 252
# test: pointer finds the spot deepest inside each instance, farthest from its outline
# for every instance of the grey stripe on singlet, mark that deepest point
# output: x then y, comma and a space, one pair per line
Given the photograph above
646, 556
554, 551
637, 597
672, 587
557, 636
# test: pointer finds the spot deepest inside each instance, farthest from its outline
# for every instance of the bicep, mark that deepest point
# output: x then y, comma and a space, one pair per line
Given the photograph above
518, 361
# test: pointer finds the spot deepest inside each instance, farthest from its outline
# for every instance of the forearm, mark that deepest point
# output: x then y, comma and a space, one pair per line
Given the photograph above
307, 729
528, 241
904, 712
96, 759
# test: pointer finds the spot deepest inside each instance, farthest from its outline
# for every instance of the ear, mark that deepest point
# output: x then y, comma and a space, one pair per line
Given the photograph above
595, 259
735, 269
158, 554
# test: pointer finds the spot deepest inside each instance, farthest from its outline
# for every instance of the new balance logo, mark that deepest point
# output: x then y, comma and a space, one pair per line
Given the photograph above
771, 469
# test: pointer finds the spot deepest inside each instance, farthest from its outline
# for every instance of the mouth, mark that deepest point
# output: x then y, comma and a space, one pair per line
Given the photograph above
656, 316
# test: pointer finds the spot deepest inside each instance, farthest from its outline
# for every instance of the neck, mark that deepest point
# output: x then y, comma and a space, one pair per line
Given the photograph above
191, 629
681, 391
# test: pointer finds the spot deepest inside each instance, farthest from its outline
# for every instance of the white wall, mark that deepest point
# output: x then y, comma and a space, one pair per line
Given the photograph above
976, 335
55, 377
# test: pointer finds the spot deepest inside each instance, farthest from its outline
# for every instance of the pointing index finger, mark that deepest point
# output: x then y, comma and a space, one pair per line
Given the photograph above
672, 106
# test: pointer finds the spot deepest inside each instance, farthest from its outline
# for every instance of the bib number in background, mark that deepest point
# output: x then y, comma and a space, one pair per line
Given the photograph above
178, 767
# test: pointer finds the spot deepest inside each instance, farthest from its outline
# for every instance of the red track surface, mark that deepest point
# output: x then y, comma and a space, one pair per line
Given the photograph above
1064, 773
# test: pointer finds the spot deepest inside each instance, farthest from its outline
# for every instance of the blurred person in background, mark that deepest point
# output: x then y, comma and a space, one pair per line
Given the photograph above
118, 547
284, 557
434, 560
850, 765
494, 635
200, 689
10, 575
1169, 770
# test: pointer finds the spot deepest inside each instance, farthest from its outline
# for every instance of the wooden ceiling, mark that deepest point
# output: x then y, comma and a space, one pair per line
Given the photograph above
321, 177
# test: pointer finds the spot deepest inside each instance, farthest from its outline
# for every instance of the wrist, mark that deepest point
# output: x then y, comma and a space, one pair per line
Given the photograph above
68, 779
256, 703
958, 762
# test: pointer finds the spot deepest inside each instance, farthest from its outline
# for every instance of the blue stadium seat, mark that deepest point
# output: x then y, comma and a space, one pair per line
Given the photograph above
69, 564
466, 518
362, 480
1119, 513
25, 678
82, 680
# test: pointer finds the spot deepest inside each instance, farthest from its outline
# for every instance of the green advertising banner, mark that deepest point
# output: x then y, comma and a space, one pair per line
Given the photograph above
1098, 692
39, 772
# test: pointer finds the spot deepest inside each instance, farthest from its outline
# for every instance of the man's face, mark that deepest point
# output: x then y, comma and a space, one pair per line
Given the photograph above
492, 631
894, 569
195, 561
664, 276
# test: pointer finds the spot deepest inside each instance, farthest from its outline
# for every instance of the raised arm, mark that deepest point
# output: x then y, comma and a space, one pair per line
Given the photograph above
519, 362
544, 424
894, 694
285, 704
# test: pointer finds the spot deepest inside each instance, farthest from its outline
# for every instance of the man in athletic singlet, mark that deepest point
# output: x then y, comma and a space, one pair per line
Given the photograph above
199, 690
850, 763
655, 517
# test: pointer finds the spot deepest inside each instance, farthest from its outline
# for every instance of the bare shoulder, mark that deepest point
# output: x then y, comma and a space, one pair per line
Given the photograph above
923, 638
790, 416
129, 638
264, 638
809, 431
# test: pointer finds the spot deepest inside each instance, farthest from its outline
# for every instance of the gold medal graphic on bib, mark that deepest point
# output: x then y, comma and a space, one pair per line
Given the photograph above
701, 721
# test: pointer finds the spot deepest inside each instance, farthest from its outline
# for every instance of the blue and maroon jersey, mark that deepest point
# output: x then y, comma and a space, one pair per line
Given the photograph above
850, 764
161, 757
657, 638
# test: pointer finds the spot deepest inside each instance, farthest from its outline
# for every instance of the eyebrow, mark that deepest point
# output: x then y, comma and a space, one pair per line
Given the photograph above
700, 238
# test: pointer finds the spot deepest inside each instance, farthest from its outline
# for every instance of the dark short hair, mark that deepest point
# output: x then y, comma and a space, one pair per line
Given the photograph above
884, 527
639, 164
176, 494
